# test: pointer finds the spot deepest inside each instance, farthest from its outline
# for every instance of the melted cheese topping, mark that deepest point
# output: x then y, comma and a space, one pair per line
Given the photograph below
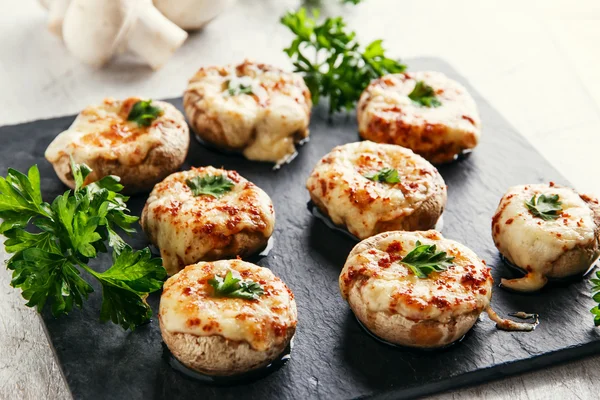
186, 227
386, 114
103, 132
532, 243
385, 285
188, 305
338, 182
264, 124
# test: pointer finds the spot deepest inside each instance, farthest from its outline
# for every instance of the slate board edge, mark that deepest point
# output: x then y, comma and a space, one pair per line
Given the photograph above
486, 375
63, 373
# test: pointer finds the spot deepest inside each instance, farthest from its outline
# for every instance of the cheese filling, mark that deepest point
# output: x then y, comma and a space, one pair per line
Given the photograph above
188, 305
265, 123
386, 285
186, 227
533, 243
339, 181
386, 114
103, 132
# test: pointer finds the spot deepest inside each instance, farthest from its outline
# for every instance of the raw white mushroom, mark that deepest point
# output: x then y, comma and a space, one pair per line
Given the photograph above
192, 14
56, 14
94, 30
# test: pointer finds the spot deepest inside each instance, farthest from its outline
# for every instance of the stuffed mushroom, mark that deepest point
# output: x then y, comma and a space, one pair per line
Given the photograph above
140, 141
425, 111
406, 301
256, 109
226, 317
548, 231
207, 214
371, 188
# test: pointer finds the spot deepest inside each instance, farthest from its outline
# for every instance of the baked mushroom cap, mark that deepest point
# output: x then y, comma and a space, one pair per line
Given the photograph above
339, 187
554, 248
256, 109
224, 335
103, 138
188, 228
401, 308
387, 115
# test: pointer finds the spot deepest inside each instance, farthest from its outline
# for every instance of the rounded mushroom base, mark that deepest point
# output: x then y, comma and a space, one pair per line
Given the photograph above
403, 347
428, 217
444, 155
570, 267
205, 141
396, 329
228, 380
243, 244
135, 179
216, 357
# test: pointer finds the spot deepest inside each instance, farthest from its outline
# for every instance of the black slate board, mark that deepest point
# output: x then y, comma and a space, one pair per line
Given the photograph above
332, 356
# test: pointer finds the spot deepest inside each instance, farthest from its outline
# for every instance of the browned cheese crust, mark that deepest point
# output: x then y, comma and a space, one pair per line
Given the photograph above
188, 228
221, 335
387, 115
339, 186
401, 308
102, 138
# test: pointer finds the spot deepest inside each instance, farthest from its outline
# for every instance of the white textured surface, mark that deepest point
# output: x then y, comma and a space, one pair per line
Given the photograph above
535, 61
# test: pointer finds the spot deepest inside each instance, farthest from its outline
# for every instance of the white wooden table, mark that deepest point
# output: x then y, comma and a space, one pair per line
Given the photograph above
537, 62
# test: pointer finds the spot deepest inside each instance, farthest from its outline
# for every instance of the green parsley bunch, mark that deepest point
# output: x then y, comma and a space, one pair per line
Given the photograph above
337, 67
69, 232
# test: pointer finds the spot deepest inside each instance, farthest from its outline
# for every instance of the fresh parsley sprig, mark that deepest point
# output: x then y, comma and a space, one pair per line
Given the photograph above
238, 88
144, 113
424, 95
596, 296
423, 260
545, 207
235, 287
71, 231
212, 185
340, 69
387, 175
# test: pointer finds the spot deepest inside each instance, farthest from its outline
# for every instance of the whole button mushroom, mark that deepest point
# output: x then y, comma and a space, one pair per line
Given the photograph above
94, 30
192, 14
56, 14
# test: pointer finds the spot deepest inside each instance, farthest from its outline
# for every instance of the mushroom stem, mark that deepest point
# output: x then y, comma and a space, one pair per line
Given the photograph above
153, 37
56, 14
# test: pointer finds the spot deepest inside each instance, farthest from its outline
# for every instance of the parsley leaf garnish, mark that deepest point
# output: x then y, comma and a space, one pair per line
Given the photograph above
545, 207
596, 296
340, 69
213, 185
235, 287
143, 113
425, 95
387, 175
237, 88
423, 260
71, 231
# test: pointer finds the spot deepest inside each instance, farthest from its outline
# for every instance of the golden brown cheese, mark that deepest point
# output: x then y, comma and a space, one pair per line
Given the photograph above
264, 124
387, 115
375, 276
103, 132
534, 244
188, 228
188, 305
338, 186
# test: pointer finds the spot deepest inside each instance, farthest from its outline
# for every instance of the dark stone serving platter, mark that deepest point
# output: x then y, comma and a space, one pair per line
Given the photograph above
332, 356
